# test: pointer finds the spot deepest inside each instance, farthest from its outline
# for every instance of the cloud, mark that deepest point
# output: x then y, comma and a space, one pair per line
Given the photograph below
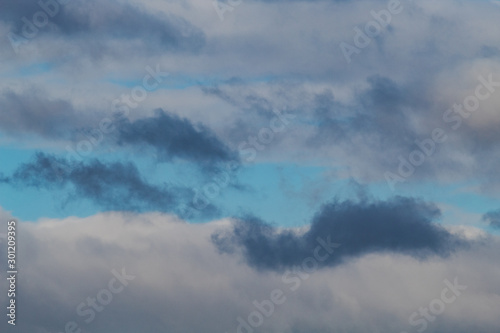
381, 119
401, 225
378, 114
354, 119
93, 25
372, 110
183, 284
493, 218
174, 137
33, 113
110, 185
377, 119
5, 215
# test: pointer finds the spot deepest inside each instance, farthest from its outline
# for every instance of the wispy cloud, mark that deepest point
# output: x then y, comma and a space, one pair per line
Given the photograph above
109, 185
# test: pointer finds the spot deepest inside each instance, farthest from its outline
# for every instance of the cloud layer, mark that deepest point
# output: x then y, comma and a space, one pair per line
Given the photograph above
179, 275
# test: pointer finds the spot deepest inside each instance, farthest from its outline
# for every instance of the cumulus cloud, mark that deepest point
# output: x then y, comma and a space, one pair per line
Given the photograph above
182, 283
346, 229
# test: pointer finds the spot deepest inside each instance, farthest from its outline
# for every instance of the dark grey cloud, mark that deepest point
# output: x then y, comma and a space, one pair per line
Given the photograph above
110, 185
174, 137
402, 225
32, 113
97, 22
493, 218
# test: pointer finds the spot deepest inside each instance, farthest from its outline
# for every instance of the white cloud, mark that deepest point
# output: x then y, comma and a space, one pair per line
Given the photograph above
183, 284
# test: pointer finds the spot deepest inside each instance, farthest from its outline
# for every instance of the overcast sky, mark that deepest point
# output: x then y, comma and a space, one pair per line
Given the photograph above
251, 166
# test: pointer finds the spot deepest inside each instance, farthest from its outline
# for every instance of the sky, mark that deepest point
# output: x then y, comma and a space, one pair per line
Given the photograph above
251, 166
